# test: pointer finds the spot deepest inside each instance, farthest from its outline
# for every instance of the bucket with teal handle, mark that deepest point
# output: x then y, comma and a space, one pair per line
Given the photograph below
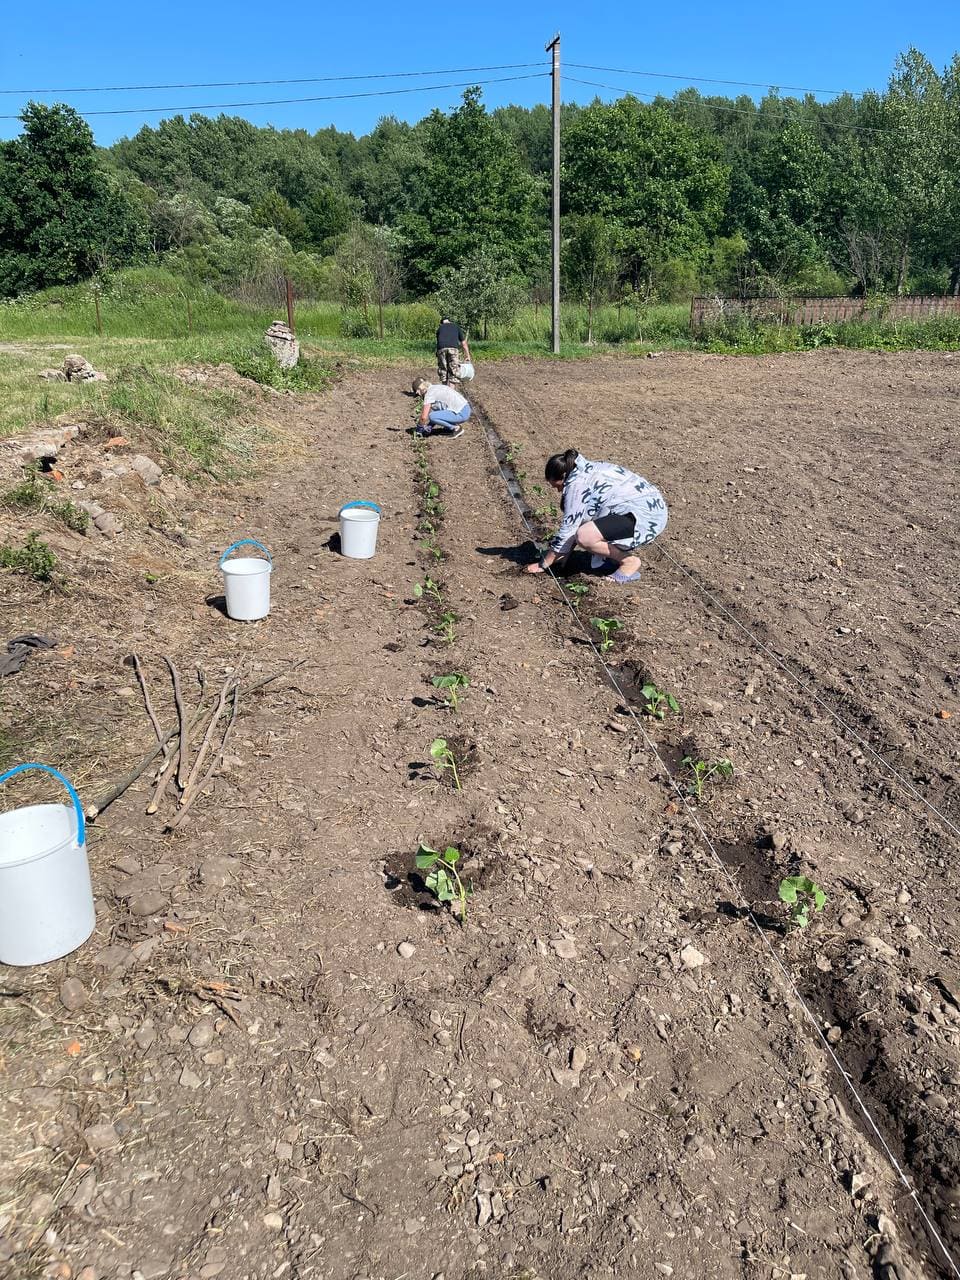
246, 582
46, 903
359, 525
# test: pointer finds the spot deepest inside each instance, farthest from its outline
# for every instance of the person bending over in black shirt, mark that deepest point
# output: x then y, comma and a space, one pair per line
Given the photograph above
450, 338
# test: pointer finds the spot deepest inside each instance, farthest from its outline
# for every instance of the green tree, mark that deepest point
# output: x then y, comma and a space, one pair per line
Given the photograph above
483, 290
354, 272
590, 260
272, 210
61, 217
472, 195
656, 182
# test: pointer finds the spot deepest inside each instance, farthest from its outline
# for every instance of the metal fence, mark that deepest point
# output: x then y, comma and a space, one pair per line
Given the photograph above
798, 311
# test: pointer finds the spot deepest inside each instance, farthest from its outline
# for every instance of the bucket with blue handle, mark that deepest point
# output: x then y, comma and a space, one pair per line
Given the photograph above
46, 903
359, 525
246, 582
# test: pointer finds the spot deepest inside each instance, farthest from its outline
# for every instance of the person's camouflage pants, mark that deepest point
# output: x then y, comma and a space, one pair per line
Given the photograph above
448, 363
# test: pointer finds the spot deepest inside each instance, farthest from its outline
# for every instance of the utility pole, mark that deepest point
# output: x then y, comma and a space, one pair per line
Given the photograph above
554, 47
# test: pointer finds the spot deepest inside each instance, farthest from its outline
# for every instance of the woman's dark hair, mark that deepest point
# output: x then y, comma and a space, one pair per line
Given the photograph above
559, 465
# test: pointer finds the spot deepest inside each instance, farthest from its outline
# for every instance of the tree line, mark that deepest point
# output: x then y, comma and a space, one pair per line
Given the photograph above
660, 199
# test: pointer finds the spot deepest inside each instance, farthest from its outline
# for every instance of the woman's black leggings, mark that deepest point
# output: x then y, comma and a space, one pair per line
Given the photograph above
614, 528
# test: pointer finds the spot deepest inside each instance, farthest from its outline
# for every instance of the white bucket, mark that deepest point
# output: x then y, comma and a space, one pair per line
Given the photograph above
46, 903
467, 372
359, 525
246, 582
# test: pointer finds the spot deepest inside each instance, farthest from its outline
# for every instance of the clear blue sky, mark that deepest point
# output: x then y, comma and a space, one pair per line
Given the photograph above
836, 45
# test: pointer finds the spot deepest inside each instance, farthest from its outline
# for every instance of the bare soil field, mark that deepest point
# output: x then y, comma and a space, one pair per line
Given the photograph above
278, 1056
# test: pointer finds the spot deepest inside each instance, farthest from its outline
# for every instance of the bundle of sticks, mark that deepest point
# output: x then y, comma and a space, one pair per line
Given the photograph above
210, 724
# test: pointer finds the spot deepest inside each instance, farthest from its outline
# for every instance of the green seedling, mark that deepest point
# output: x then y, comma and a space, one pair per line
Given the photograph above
803, 895
443, 879
608, 628
34, 558
446, 627
451, 684
430, 589
151, 578
537, 489
578, 589
444, 758
703, 770
546, 513
657, 702
433, 489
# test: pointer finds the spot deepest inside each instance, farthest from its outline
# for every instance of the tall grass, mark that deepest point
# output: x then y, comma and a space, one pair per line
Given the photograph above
152, 304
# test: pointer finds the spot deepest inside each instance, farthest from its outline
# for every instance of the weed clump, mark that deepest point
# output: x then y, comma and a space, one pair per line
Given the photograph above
260, 366
34, 558
35, 494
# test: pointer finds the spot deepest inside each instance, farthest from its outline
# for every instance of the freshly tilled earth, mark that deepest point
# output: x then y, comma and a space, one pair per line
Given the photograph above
278, 1057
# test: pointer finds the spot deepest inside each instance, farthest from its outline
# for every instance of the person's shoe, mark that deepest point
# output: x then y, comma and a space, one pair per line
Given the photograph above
455, 432
424, 431
597, 562
623, 578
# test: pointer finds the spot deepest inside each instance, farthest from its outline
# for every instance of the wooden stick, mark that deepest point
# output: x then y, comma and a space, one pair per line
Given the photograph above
217, 762
130, 778
178, 699
162, 783
146, 697
205, 744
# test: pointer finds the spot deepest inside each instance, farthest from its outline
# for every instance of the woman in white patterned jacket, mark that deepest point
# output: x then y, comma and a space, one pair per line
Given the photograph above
607, 510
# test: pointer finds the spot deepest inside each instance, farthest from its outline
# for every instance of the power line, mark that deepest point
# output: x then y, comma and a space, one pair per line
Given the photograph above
737, 111
236, 84
665, 75
276, 102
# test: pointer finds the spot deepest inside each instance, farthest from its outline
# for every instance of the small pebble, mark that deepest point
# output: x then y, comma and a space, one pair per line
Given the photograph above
73, 994
201, 1033
406, 950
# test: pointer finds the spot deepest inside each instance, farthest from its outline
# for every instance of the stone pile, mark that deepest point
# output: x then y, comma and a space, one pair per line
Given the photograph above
74, 369
283, 344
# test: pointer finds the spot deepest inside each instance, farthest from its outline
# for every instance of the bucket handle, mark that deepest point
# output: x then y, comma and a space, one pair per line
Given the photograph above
45, 768
361, 502
252, 542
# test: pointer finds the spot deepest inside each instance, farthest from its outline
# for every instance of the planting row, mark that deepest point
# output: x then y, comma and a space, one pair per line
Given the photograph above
802, 895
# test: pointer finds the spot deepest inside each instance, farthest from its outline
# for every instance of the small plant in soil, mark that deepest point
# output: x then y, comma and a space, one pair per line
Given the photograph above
442, 878
444, 758
657, 702
451, 684
34, 558
430, 589
608, 628
446, 627
578, 589
803, 895
704, 771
